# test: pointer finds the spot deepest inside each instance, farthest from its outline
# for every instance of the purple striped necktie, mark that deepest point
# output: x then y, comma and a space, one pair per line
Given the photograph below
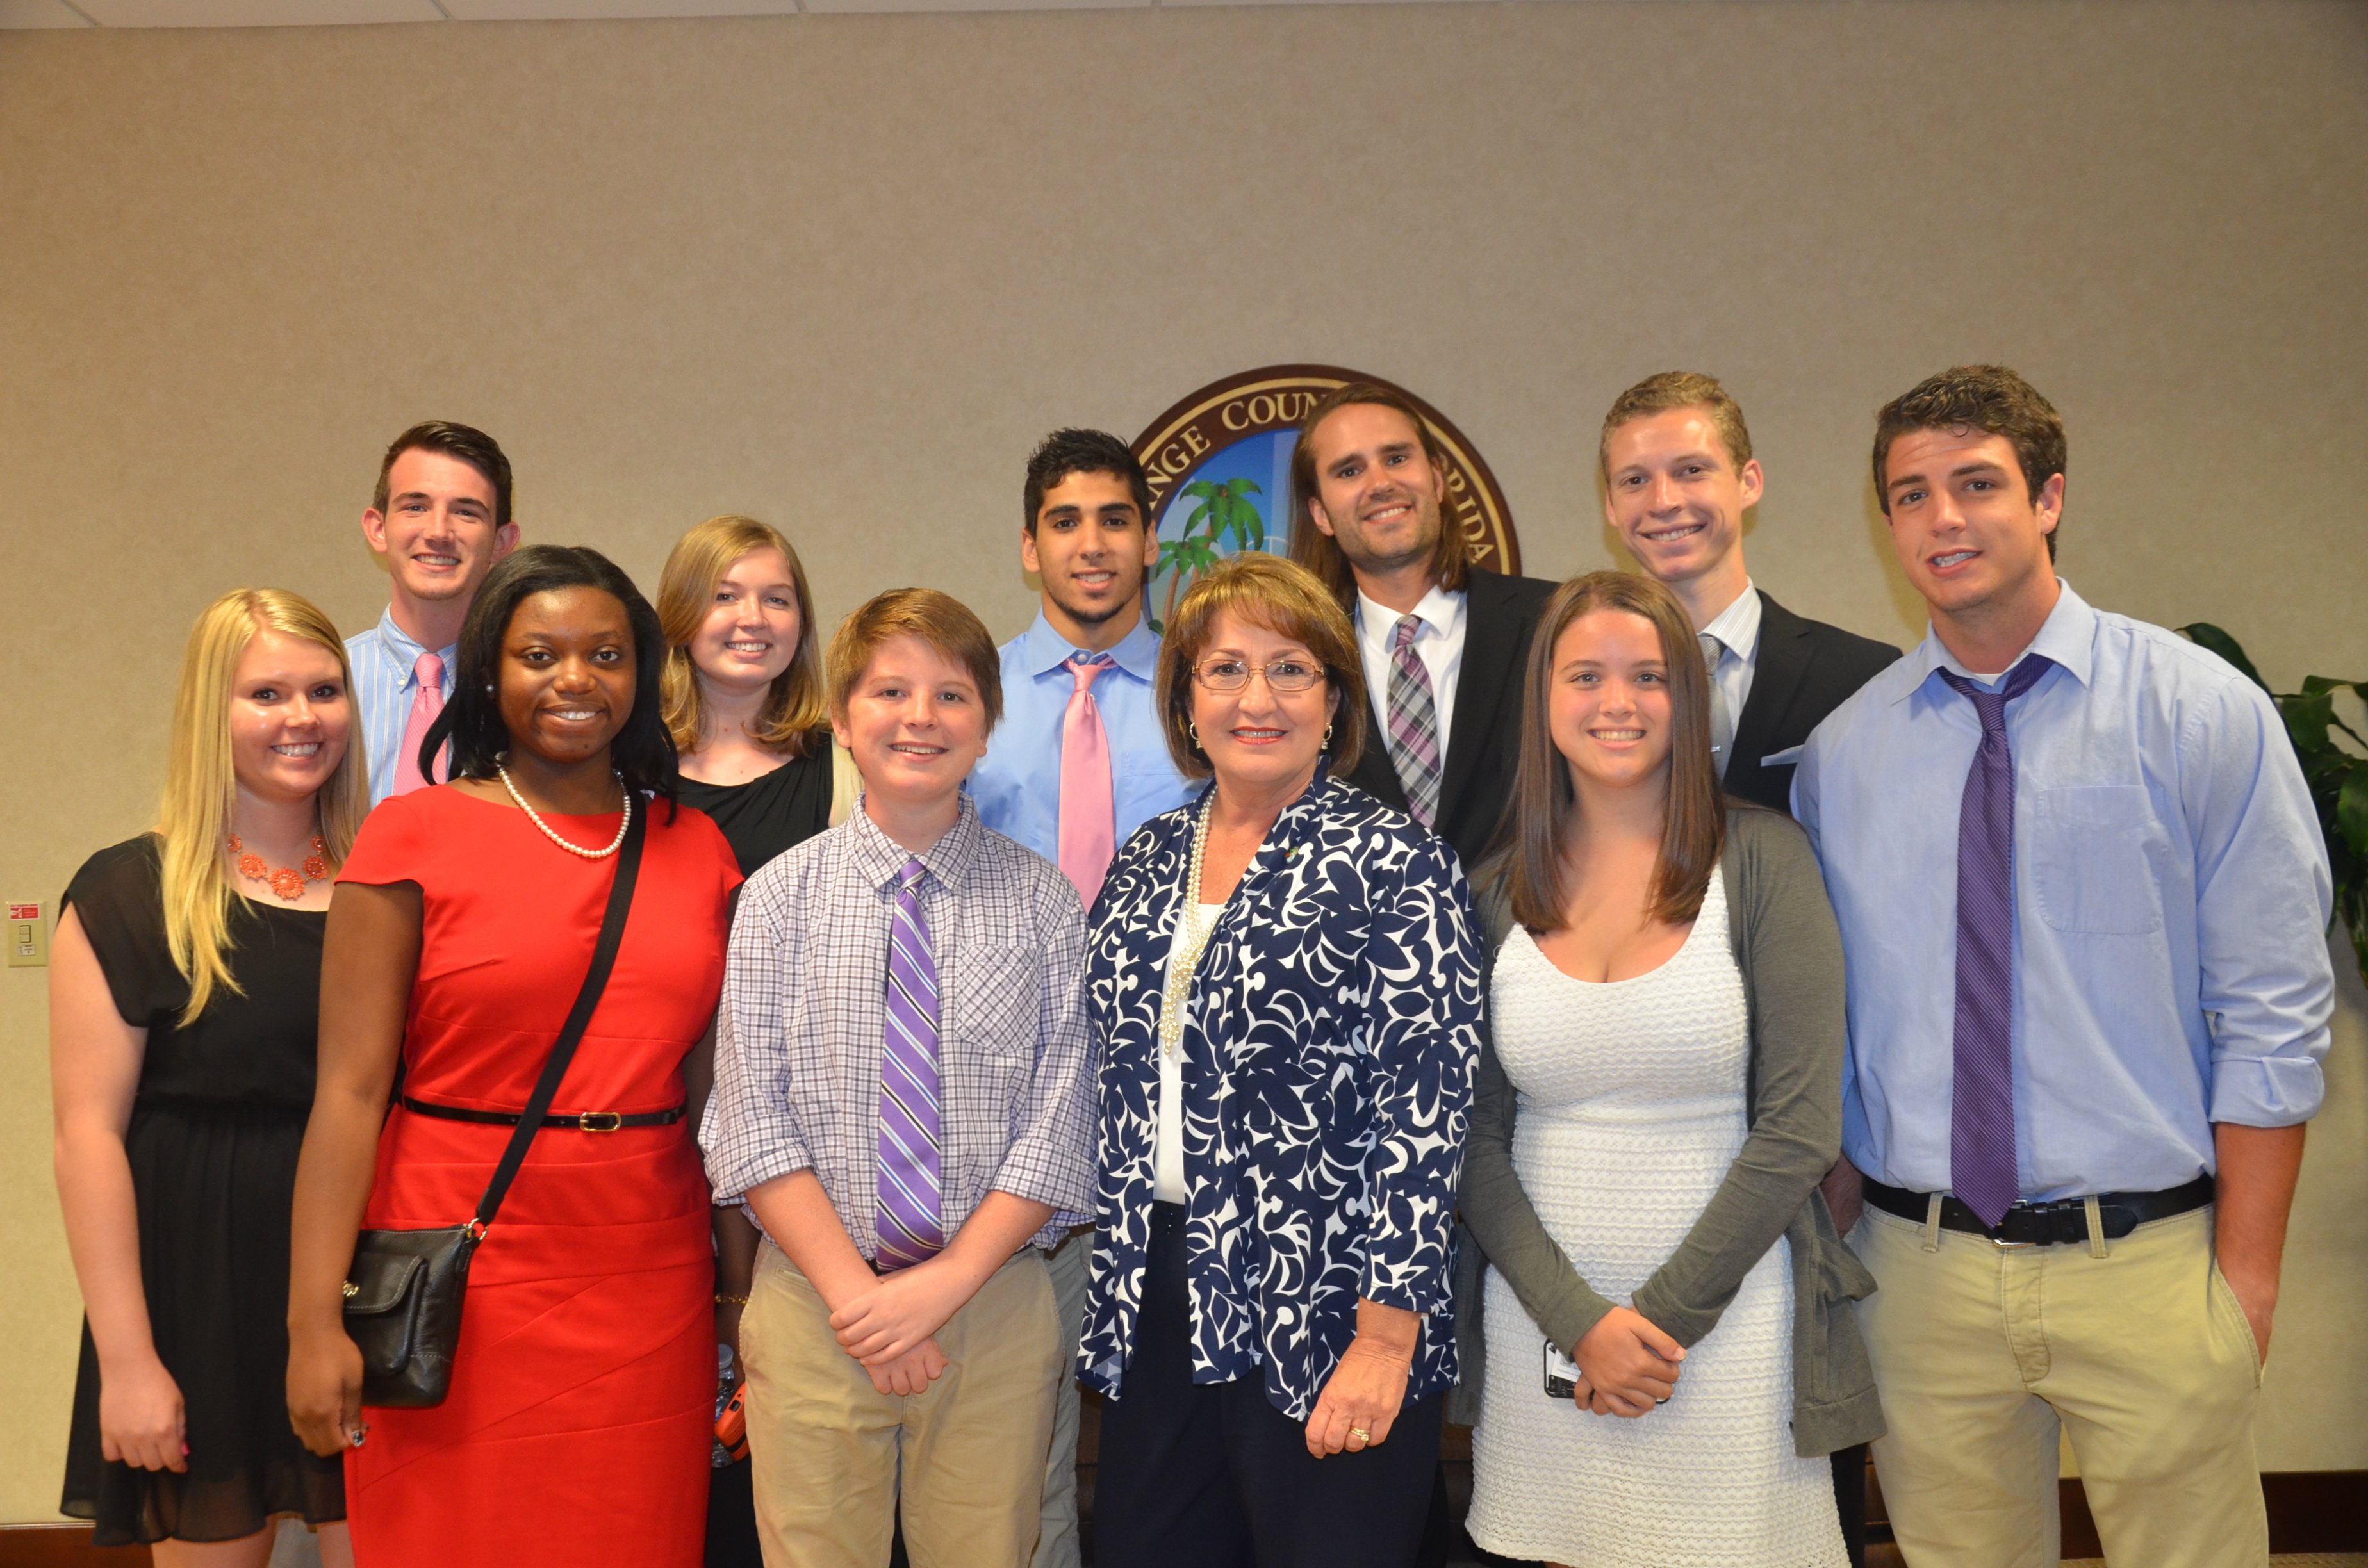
1982, 1168
910, 1223
1414, 723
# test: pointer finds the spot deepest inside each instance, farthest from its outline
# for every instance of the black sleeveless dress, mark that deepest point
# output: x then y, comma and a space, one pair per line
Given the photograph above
216, 1124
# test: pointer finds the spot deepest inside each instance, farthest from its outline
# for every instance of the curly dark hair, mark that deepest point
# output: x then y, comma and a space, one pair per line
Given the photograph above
1989, 398
643, 751
1065, 452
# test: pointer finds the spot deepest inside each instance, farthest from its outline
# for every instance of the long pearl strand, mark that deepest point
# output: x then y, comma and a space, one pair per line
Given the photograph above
1191, 940
532, 815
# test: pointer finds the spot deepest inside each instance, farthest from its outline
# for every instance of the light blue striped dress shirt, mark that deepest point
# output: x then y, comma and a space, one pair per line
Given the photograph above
1018, 783
2170, 904
382, 659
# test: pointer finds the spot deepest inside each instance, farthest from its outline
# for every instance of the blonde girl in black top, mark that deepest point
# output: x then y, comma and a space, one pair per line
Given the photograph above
184, 990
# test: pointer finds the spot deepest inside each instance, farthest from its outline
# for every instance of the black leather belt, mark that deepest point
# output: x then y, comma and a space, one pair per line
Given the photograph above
2062, 1221
581, 1122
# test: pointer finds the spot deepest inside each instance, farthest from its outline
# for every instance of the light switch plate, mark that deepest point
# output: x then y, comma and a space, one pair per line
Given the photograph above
26, 935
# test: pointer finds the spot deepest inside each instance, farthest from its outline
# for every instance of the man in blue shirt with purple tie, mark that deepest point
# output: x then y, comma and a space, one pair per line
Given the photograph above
1078, 763
2083, 896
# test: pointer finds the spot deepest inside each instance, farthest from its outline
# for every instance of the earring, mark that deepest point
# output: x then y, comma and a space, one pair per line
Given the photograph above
1193, 729
1328, 737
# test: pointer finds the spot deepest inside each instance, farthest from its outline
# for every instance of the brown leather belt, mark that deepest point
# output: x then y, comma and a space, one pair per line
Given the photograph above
2062, 1222
579, 1121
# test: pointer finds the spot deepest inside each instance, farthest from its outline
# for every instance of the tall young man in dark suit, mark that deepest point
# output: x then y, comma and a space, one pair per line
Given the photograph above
1444, 643
1678, 476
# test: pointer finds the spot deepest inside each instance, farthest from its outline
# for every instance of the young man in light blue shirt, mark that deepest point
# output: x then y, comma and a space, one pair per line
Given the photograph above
439, 520
2083, 896
1078, 763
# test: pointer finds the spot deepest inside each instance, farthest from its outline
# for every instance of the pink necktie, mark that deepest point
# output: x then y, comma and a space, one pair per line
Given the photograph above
1088, 824
427, 701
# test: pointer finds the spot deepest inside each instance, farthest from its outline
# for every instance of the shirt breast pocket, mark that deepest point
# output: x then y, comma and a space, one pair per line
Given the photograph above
2094, 860
995, 997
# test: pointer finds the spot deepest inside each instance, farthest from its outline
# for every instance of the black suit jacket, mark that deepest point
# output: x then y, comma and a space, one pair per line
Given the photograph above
1804, 669
1500, 616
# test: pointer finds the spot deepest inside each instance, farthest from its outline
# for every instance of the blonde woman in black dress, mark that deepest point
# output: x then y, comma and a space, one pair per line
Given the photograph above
184, 991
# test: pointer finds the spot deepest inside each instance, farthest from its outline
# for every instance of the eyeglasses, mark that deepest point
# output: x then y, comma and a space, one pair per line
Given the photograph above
1283, 675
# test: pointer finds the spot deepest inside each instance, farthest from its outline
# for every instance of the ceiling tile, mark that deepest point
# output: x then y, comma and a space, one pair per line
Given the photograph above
254, 13
975, 5
609, 10
40, 14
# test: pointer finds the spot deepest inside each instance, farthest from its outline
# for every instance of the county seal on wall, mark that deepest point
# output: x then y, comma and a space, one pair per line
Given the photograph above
1219, 463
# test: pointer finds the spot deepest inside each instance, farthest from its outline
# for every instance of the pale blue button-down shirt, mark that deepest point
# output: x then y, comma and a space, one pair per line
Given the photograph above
382, 659
1018, 783
2171, 895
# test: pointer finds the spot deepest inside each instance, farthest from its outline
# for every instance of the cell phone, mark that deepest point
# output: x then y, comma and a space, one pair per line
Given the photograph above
1561, 1374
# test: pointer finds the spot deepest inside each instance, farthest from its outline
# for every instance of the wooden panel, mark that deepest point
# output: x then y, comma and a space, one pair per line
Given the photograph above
63, 1546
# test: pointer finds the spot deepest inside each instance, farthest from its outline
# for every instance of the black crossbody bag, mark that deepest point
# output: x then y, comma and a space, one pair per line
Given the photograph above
404, 1291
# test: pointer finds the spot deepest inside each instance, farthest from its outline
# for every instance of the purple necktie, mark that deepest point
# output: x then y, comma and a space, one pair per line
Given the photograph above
1982, 1170
910, 1223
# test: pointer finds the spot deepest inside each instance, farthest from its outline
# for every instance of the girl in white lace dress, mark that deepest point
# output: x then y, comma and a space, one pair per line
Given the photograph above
1633, 1208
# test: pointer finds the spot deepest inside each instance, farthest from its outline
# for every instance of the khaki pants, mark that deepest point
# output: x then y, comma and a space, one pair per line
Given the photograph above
2142, 1356
828, 1449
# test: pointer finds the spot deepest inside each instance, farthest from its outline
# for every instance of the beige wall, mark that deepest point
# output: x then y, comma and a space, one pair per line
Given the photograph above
840, 271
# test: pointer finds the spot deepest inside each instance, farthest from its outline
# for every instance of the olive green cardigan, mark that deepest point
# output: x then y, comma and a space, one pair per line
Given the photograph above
1790, 952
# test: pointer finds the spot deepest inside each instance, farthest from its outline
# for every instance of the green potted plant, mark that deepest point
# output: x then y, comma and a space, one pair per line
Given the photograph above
2338, 777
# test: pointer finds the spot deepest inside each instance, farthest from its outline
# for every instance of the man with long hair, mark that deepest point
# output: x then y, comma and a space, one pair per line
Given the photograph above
1443, 641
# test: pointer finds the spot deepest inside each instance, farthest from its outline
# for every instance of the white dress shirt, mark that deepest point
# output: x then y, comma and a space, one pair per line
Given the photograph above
1439, 644
1738, 629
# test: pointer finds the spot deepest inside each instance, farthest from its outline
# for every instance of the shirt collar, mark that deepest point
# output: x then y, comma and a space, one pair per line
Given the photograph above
1441, 613
1137, 653
405, 652
2067, 637
1737, 626
880, 859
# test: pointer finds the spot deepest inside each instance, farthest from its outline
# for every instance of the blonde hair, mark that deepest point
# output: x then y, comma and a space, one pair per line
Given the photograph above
1288, 599
796, 715
1677, 388
942, 622
201, 782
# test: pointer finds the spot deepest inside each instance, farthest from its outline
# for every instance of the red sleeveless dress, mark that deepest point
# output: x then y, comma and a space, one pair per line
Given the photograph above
577, 1430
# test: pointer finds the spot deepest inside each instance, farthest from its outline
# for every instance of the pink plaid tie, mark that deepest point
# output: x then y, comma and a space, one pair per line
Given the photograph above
1088, 819
427, 701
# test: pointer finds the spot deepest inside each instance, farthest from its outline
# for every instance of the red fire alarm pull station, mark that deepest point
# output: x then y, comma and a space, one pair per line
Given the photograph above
28, 935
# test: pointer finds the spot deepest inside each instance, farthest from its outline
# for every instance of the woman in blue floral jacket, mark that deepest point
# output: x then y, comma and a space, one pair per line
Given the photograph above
1285, 983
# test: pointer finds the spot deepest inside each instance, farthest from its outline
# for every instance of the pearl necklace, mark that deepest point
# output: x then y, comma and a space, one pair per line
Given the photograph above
1192, 934
532, 815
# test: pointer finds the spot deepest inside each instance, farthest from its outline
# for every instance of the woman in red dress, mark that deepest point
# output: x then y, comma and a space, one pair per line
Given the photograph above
576, 1431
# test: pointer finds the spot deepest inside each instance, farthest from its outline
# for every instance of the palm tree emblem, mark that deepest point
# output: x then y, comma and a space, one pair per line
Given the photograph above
1225, 509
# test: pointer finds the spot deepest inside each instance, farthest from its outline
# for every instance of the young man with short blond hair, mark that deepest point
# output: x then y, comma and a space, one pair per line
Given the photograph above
1678, 475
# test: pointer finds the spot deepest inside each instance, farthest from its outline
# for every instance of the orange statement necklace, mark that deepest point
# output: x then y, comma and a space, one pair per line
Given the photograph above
285, 883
